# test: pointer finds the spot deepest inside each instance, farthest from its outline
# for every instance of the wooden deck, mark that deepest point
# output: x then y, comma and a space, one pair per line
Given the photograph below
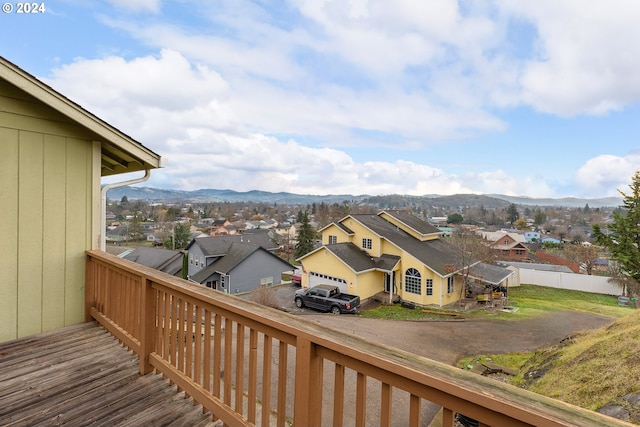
81, 375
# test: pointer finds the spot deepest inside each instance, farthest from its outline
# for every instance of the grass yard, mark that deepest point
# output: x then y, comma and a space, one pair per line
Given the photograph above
590, 369
531, 301
397, 312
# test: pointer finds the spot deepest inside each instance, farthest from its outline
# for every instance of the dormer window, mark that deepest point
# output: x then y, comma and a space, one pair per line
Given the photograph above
333, 240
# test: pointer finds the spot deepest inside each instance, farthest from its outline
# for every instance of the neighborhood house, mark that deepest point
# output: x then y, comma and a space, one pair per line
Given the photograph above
393, 253
233, 265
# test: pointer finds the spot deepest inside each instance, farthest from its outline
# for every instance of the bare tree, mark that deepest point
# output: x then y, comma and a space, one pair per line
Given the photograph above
585, 256
469, 249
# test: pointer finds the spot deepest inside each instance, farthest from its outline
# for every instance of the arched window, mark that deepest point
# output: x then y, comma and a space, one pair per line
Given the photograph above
413, 281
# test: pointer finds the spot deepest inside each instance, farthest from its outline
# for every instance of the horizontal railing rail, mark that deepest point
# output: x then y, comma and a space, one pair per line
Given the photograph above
252, 365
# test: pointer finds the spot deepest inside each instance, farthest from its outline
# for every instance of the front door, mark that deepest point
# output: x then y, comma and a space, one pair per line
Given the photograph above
389, 281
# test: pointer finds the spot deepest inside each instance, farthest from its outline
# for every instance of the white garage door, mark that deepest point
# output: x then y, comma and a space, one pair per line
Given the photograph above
318, 279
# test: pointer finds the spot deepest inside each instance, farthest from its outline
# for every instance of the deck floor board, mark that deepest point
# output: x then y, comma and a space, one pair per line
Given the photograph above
81, 375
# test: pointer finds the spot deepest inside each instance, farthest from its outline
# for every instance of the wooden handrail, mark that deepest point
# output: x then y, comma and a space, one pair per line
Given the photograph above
229, 354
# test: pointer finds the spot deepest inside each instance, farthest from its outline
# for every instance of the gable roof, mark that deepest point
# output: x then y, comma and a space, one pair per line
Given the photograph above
359, 261
340, 225
164, 260
236, 254
436, 254
120, 152
421, 227
494, 236
219, 245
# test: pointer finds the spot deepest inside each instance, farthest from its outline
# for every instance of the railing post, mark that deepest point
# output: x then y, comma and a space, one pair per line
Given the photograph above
148, 329
89, 287
307, 408
448, 418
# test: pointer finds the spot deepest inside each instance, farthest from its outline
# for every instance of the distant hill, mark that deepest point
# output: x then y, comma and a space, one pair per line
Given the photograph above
490, 201
569, 202
212, 195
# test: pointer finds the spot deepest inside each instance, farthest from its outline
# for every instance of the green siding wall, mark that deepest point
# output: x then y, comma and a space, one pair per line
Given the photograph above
46, 192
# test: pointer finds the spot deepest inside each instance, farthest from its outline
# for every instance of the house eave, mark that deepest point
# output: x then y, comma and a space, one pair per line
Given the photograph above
120, 152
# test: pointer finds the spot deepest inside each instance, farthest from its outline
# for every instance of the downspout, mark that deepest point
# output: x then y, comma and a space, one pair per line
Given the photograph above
103, 204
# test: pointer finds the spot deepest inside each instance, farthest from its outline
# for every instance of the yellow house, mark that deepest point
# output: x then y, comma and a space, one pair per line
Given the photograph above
54, 154
393, 252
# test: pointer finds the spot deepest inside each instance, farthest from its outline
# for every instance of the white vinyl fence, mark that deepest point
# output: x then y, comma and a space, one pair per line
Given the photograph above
576, 282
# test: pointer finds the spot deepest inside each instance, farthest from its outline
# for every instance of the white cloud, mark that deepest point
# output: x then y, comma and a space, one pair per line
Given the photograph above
151, 98
587, 59
606, 173
251, 103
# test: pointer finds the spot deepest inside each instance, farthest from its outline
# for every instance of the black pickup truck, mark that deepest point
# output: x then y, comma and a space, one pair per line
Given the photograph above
327, 298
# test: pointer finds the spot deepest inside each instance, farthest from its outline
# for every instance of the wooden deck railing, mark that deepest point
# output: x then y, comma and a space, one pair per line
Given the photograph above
251, 365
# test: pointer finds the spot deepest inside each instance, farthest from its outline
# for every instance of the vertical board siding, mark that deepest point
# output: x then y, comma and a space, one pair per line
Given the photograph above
30, 190
47, 185
9, 233
77, 222
54, 235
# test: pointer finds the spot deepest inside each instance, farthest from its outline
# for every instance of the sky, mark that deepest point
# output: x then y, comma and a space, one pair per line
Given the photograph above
522, 98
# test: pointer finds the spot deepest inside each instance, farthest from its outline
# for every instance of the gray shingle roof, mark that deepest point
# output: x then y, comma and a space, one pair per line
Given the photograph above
412, 221
437, 254
488, 273
164, 260
237, 252
344, 227
359, 260
219, 245
235, 255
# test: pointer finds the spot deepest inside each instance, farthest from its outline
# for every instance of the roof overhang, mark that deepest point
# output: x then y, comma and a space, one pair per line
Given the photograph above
120, 153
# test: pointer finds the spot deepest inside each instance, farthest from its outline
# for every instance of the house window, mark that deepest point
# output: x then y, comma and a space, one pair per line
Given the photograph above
190, 258
413, 281
429, 286
367, 243
202, 262
450, 284
333, 240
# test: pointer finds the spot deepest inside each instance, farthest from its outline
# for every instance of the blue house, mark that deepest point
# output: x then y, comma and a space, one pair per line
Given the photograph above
532, 236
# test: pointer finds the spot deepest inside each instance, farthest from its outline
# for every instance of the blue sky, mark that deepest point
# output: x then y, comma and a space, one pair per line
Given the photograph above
538, 99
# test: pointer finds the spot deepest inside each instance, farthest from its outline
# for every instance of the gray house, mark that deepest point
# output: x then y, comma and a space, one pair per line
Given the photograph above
231, 266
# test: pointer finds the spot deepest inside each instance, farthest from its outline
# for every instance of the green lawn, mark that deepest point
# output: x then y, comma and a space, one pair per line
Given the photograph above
530, 300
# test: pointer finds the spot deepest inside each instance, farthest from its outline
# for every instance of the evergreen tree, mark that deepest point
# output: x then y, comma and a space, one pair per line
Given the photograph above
512, 213
306, 237
539, 217
623, 236
179, 238
455, 218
